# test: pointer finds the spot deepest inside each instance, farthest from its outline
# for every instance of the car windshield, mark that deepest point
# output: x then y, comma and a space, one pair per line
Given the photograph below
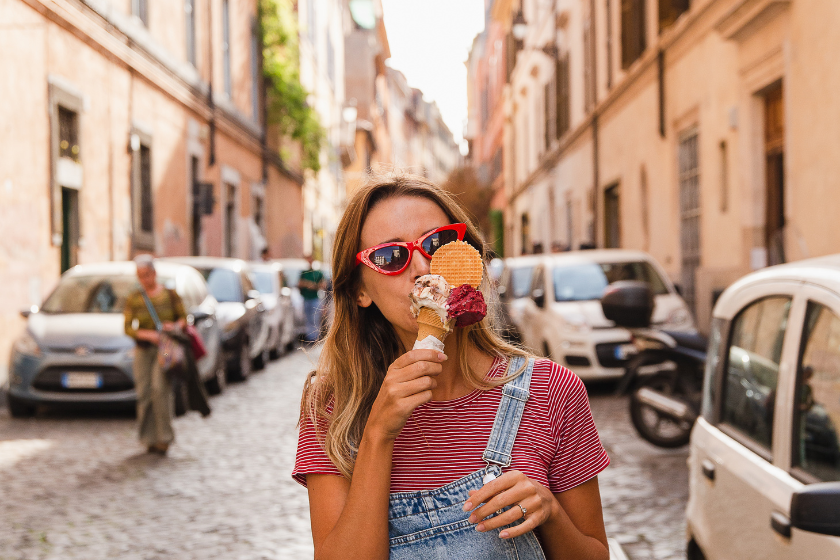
264, 281
223, 284
520, 281
586, 281
94, 293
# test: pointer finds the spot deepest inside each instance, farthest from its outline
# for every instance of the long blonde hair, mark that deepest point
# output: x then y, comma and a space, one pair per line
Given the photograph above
361, 344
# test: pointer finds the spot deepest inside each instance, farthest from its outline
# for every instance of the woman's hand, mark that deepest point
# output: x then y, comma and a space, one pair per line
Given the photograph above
407, 385
512, 489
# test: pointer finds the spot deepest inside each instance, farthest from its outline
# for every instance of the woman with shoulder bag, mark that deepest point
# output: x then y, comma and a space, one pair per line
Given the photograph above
152, 304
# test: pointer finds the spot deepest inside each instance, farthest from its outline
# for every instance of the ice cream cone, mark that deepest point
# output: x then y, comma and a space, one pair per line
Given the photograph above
429, 323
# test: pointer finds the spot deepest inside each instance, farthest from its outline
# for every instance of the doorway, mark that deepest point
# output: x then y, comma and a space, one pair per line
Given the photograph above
612, 218
69, 228
774, 157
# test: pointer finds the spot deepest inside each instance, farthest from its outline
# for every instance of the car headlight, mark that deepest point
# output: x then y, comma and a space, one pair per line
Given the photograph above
679, 317
574, 323
27, 344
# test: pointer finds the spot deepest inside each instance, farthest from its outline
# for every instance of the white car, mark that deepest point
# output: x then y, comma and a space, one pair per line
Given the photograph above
268, 278
764, 459
562, 317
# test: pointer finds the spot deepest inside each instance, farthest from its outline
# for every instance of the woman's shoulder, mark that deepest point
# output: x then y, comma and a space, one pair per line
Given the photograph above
554, 382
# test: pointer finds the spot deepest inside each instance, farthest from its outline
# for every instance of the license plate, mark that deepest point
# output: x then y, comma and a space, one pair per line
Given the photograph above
81, 380
624, 351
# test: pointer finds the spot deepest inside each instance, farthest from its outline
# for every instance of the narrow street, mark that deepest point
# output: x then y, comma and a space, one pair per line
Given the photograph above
79, 486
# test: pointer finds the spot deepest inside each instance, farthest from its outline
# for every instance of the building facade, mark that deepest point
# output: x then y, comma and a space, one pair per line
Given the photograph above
132, 126
699, 131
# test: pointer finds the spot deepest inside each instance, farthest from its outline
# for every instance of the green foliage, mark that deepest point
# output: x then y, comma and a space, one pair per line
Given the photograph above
286, 99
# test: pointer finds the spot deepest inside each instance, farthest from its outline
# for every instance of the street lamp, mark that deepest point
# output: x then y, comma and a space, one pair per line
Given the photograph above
519, 29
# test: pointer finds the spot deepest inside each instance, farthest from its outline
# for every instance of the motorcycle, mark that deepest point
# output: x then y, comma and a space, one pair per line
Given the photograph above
664, 373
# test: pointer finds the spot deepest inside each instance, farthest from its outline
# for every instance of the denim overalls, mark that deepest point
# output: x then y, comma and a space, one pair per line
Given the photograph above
431, 524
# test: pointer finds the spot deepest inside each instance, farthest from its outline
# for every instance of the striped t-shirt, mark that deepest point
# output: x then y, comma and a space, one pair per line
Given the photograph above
557, 443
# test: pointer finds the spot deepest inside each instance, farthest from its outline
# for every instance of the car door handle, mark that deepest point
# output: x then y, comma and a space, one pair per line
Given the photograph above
708, 468
780, 523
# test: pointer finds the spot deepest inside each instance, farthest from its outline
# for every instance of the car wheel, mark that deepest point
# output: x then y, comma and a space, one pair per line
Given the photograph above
216, 385
243, 368
182, 398
19, 408
260, 361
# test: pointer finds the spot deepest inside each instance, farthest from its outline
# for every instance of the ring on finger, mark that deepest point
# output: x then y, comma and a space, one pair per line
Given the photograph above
524, 511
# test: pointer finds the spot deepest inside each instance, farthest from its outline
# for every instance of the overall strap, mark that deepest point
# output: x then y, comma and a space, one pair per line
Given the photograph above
514, 396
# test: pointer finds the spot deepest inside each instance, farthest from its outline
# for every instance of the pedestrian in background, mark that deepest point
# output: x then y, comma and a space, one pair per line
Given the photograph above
311, 281
154, 389
412, 453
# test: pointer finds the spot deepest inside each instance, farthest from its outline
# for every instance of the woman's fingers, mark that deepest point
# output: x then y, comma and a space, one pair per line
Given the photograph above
492, 488
413, 356
534, 516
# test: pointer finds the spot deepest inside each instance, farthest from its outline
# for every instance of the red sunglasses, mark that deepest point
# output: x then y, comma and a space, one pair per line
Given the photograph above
392, 258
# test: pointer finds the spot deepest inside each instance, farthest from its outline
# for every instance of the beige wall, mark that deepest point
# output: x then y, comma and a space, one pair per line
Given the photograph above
718, 61
125, 90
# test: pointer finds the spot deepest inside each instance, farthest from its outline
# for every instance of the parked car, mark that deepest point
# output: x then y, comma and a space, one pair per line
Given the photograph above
75, 350
269, 279
240, 312
563, 319
292, 269
764, 462
514, 289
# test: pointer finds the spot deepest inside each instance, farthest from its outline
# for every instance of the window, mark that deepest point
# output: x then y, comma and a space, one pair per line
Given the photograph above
226, 47
670, 11
140, 9
689, 169
612, 218
548, 96
588, 63
223, 284
752, 371
230, 220
587, 281
633, 40
817, 406
562, 100
141, 192
255, 69
520, 281
68, 134
189, 13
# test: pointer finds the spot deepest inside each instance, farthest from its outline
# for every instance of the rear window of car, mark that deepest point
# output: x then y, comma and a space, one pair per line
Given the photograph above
264, 281
223, 284
94, 293
586, 281
520, 281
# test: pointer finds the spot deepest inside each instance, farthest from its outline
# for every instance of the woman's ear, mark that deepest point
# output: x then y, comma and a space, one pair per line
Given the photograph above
363, 299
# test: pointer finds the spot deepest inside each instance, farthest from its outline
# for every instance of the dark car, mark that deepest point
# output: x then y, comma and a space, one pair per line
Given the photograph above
240, 312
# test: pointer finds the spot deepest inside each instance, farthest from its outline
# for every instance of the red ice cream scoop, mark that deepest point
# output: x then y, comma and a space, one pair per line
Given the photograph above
466, 305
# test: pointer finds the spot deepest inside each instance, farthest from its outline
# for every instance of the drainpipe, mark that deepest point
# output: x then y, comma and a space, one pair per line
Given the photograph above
596, 180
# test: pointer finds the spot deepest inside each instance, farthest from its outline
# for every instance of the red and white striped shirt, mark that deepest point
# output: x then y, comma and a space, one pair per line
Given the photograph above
557, 443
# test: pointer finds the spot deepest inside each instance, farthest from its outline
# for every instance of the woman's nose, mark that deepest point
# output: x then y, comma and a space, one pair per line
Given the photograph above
419, 264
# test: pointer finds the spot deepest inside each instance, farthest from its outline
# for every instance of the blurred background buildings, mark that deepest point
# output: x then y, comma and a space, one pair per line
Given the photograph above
701, 131
156, 126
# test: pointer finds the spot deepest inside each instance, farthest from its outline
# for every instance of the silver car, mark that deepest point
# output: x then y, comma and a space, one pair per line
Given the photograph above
269, 280
75, 350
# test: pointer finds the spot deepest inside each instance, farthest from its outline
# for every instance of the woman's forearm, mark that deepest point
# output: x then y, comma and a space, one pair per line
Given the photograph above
363, 524
561, 540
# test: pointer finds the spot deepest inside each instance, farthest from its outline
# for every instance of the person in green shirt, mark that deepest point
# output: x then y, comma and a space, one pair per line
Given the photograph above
154, 389
311, 280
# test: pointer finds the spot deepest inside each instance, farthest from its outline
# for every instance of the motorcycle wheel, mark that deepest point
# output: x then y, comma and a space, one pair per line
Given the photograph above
659, 429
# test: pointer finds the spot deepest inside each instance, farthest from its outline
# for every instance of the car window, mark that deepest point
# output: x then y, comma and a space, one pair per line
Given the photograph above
223, 284
641, 271
712, 361
586, 281
292, 276
817, 407
264, 281
247, 284
539, 279
520, 281
752, 372
94, 293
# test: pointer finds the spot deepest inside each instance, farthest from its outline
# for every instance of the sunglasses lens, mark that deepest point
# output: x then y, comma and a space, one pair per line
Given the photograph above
390, 259
438, 240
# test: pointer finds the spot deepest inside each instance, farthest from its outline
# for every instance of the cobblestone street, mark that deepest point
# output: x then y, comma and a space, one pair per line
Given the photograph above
79, 485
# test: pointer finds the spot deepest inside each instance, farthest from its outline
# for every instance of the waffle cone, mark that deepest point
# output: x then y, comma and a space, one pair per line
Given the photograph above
429, 323
459, 263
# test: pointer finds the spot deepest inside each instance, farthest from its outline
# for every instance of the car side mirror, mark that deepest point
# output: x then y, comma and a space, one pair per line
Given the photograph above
816, 508
199, 316
538, 295
252, 294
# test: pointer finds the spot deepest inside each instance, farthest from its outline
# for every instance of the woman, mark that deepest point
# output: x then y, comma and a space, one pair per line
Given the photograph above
154, 390
395, 446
